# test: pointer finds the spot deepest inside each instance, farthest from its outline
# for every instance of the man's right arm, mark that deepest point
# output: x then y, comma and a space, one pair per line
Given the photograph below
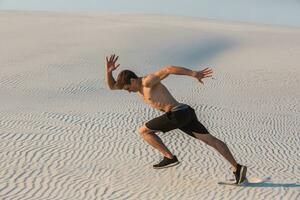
111, 81
110, 67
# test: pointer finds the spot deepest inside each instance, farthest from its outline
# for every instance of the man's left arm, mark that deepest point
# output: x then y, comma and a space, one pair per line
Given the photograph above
156, 77
207, 72
180, 71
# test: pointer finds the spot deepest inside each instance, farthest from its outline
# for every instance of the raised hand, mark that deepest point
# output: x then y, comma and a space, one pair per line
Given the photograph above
111, 63
207, 72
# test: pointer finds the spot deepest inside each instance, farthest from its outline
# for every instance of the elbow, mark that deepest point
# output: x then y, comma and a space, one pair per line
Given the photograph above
169, 69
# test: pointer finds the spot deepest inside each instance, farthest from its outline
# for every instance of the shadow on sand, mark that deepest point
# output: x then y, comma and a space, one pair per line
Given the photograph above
261, 183
272, 185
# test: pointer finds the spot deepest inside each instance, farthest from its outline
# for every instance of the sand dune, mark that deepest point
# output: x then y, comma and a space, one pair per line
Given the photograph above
65, 135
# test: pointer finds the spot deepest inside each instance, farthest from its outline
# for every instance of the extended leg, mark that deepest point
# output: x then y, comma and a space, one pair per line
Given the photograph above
238, 170
151, 138
220, 146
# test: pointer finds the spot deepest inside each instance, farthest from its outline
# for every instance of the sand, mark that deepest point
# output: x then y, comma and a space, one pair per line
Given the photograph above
65, 135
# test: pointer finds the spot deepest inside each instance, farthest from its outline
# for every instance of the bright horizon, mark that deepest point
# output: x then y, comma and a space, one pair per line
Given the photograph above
276, 12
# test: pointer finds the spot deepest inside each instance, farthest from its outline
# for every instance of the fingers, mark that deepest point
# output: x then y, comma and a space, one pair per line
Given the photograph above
117, 66
112, 58
207, 72
116, 59
205, 69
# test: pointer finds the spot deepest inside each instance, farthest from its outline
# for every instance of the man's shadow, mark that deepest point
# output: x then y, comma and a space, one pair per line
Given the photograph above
267, 183
272, 185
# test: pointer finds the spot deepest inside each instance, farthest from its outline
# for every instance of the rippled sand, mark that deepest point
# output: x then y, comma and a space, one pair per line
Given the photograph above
65, 135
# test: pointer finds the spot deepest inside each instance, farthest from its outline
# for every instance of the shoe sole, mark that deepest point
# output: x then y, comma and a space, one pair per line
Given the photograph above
170, 165
243, 174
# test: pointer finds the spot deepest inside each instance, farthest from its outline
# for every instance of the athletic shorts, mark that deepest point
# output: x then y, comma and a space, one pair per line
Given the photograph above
181, 117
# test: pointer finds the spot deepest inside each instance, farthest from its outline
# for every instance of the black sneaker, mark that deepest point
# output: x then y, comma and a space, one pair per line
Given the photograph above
240, 174
166, 162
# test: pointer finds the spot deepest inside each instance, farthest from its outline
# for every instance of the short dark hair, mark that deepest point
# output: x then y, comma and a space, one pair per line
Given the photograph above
124, 78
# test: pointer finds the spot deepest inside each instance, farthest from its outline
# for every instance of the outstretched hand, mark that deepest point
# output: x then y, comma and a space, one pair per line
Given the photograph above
207, 72
111, 63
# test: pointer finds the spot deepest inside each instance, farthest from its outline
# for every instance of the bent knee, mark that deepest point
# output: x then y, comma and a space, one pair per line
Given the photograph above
144, 130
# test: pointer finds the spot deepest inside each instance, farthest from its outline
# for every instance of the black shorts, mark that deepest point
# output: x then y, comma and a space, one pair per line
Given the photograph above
182, 117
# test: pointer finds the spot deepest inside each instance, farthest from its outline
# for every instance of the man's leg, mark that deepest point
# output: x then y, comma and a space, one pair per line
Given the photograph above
238, 170
151, 138
220, 146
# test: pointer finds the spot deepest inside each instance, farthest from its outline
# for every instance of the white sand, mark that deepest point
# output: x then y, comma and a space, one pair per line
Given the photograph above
65, 135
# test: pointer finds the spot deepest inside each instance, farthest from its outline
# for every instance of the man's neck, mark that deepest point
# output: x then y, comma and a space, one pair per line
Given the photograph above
140, 85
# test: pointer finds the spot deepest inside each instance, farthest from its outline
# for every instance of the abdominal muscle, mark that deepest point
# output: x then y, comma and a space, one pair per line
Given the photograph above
159, 97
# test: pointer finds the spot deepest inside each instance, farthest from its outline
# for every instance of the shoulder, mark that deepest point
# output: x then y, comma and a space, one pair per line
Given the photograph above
148, 80
155, 78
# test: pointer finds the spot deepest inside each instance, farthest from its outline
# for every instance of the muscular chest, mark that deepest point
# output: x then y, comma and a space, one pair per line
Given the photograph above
149, 94
157, 94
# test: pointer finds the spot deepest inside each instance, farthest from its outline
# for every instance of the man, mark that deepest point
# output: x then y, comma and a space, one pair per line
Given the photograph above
177, 115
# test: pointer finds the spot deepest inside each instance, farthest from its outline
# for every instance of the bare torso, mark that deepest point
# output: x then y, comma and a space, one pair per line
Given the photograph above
158, 97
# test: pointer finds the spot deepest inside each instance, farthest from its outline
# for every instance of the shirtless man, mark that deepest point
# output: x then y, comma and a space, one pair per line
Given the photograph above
176, 115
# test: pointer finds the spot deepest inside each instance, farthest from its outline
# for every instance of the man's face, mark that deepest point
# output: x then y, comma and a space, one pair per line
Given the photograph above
129, 88
133, 87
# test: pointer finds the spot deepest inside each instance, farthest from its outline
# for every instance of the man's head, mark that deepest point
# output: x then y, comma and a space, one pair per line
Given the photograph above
127, 80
